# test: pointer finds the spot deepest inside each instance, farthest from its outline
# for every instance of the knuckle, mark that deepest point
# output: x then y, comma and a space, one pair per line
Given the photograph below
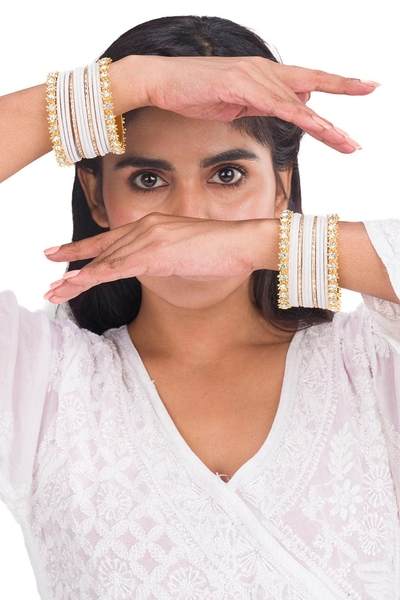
158, 227
268, 67
319, 76
276, 98
290, 112
158, 234
162, 241
156, 224
260, 61
296, 108
242, 61
72, 250
274, 104
238, 69
112, 261
152, 218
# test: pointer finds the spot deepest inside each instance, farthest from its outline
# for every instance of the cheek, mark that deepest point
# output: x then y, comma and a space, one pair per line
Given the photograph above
119, 207
256, 210
255, 203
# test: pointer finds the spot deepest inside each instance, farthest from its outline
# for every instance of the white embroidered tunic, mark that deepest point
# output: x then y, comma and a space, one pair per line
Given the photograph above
115, 505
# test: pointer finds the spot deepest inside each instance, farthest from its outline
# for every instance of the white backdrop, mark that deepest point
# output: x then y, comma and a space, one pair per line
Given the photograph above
356, 39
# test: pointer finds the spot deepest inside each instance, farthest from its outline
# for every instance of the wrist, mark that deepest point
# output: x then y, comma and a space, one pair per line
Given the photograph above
265, 243
127, 84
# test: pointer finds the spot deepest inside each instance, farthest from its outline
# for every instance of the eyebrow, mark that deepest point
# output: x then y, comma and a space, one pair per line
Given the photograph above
132, 160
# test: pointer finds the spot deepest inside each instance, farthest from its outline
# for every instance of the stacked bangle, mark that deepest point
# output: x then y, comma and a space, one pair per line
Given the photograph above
80, 114
308, 261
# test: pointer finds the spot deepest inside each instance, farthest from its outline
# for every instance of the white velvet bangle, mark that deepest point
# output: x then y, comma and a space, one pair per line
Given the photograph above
60, 114
64, 109
294, 234
324, 268
307, 242
318, 260
69, 135
81, 121
306, 280
83, 125
94, 110
77, 104
313, 261
300, 259
80, 112
98, 107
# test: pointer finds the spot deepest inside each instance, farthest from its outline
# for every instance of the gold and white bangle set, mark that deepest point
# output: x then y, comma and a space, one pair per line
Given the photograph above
308, 261
80, 114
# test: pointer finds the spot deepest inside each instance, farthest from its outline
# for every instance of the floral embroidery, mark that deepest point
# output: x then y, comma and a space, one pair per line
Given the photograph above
113, 513
6, 429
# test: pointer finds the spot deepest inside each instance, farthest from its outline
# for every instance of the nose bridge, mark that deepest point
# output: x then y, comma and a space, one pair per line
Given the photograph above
188, 200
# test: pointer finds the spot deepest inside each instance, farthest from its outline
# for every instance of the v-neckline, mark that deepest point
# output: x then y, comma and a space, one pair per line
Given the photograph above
263, 456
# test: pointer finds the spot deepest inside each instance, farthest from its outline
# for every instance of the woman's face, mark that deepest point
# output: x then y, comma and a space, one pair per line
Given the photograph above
192, 184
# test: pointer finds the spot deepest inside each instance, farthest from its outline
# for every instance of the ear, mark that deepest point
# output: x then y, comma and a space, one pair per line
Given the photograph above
283, 191
90, 184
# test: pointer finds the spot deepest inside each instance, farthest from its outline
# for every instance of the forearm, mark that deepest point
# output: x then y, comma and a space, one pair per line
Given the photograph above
360, 268
24, 135
24, 131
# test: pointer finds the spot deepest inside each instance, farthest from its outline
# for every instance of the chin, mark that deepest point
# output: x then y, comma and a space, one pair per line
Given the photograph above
192, 292
201, 278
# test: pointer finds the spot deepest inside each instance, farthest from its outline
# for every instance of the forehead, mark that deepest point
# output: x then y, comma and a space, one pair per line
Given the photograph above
154, 132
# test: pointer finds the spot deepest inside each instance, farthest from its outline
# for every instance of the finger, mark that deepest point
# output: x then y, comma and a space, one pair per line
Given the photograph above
318, 127
277, 102
134, 242
114, 263
293, 100
89, 247
94, 245
130, 242
302, 79
92, 275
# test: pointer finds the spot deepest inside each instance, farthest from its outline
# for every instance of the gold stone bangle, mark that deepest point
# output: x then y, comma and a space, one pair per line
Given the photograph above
115, 126
51, 109
285, 221
334, 291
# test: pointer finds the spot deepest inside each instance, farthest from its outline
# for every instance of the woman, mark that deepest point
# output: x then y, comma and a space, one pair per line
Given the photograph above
180, 436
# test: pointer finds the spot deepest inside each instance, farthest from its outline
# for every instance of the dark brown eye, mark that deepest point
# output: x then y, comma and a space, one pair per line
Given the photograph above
147, 179
226, 174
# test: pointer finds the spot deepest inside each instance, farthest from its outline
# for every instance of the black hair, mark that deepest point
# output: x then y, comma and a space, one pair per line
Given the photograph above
116, 303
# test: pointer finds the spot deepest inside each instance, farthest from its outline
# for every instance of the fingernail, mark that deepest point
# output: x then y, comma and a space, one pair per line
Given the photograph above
71, 274
51, 250
369, 82
56, 283
348, 138
48, 295
352, 147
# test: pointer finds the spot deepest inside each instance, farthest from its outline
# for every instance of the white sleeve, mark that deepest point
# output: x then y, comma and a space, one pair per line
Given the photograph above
385, 237
26, 403
373, 334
